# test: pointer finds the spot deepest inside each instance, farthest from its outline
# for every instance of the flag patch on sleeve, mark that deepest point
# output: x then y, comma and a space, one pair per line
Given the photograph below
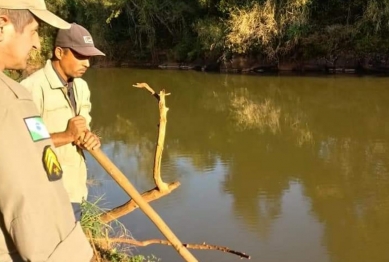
36, 128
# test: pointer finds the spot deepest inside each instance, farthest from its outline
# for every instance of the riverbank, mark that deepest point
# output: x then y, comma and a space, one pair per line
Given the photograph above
241, 64
246, 64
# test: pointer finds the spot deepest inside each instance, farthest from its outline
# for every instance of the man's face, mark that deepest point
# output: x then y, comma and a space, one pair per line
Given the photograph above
74, 64
16, 46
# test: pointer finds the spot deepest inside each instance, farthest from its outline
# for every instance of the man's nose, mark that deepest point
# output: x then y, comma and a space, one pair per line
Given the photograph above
86, 63
36, 44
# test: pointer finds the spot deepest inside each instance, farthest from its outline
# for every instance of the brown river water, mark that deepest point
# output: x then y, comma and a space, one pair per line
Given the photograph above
284, 168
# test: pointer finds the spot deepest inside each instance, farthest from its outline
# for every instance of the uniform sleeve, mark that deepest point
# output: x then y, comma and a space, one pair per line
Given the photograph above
36, 91
36, 215
24, 193
30, 205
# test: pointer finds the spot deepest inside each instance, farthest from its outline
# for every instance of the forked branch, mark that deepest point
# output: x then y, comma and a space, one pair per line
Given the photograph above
162, 186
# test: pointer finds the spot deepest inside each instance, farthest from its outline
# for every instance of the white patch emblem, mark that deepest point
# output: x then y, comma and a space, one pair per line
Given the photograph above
36, 128
88, 39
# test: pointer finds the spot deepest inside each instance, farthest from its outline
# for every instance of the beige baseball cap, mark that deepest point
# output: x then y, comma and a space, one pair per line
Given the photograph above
38, 8
78, 39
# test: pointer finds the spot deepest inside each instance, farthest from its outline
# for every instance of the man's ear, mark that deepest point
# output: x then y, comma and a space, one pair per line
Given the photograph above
58, 52
4, 20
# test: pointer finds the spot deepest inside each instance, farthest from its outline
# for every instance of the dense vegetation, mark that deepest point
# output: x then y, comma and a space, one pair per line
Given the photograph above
216, 30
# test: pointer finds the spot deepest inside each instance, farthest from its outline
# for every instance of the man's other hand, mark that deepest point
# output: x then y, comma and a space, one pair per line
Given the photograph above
89, 141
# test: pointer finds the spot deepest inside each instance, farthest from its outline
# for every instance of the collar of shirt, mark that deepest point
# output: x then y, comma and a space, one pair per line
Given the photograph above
15, 87
69, 88
68, 84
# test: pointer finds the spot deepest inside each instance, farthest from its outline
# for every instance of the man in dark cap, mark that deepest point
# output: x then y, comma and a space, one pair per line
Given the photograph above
63, 101
36, 218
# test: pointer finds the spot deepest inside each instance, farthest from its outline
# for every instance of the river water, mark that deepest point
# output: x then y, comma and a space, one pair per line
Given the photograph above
284, 168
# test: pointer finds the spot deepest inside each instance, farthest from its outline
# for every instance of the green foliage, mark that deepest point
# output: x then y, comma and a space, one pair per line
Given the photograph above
90, 220
376, 16
14, 74
181, 52
337, 39
115, 256
191, 29
141, 258
210, 32
8, 73
96, 229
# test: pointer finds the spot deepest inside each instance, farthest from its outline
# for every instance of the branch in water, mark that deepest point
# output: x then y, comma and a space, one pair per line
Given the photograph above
165, 242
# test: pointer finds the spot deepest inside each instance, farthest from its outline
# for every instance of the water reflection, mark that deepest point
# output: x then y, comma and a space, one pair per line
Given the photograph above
301, 163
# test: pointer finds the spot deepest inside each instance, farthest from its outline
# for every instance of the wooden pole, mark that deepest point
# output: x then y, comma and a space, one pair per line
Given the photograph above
126, 185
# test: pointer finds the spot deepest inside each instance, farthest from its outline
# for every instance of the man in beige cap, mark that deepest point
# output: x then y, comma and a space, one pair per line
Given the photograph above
36, 218
63, 101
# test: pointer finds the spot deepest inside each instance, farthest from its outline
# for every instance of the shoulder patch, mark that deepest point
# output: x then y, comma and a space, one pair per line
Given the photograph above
51, 164
36, 128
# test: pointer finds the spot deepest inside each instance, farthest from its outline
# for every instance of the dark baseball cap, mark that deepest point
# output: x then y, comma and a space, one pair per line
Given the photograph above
38, 8
78, 39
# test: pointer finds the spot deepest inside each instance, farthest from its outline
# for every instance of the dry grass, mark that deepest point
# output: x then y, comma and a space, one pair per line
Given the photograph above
265, 25
251, 25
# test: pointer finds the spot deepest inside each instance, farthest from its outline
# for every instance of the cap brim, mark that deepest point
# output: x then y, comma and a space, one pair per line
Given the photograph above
50, 18
88, 51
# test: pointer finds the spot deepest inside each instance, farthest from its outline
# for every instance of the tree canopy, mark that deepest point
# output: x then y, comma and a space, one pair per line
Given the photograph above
214, 29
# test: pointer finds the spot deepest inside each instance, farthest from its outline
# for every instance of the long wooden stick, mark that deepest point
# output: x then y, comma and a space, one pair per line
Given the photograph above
126, 185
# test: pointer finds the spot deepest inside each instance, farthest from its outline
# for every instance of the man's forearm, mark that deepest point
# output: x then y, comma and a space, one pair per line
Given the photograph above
61, 139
